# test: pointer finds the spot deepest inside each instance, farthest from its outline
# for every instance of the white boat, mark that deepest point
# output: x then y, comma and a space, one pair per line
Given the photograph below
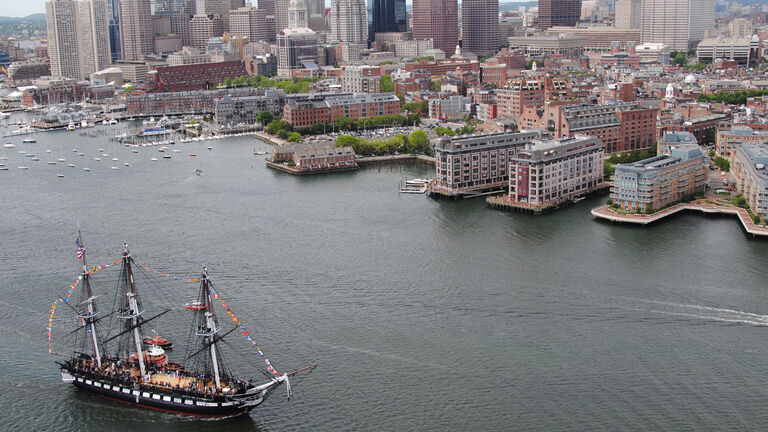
166, 156
126, 164
29, 140
71, 165
97, 159
417, 181
115, 168
23, 167
154, 159
51, 162
36, 159
3, 158
134, 151
112, 121
3, 168
62, 160
60, 175
114, 159
105, 155
9, 145
81, 154
86, 169
71, 126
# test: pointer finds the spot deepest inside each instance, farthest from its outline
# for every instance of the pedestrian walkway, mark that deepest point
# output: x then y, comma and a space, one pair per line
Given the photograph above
702, 206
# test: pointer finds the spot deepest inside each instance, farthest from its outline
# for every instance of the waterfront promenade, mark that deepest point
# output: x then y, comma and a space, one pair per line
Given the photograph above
701, 206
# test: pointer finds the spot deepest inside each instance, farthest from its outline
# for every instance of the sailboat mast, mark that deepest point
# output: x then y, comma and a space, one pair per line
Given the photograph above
212, 328
90, 314
134, 307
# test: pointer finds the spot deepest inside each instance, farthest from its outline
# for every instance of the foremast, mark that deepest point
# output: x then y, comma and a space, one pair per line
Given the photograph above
211, 326
87, 309
132, 309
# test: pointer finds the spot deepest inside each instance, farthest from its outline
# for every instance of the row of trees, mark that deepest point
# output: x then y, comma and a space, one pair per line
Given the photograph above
283, 129
733, 98
416, 143
625, 158
293, 85
464, 130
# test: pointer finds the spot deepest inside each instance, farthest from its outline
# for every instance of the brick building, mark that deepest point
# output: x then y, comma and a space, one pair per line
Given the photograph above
198, 76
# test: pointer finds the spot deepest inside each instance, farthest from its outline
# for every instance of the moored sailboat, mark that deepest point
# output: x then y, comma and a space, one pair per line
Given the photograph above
120, 367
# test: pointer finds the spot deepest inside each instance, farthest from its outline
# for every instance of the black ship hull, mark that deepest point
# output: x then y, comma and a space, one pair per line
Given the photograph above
170, 402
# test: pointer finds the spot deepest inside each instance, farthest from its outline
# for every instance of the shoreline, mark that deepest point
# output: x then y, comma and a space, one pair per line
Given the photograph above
605, 213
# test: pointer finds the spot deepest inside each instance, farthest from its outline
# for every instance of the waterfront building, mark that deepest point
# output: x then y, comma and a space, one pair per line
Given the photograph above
296, 48
480, 26
727, 141
670, 140
349, 22
749, 162
309, 110
551, 172
78, 37
324, 158
477, 163
361, 79
197, 76
250, 23
558, 13
653, 183
204, 27
743, 51
437, 20
135, 29
183, 102
23, 73
236, 110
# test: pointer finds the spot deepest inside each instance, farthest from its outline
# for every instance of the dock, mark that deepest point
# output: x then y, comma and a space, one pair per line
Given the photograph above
293, 170
701, 207
505, 203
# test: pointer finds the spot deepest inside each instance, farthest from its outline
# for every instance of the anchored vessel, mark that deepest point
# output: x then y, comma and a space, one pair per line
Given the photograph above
120, 367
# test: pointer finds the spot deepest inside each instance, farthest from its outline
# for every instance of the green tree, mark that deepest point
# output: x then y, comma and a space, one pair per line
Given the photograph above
435, 85
418, 142
421, 107
723, 163
386, 84
265, 117
294, 137
530, 63
282, 134
344, 123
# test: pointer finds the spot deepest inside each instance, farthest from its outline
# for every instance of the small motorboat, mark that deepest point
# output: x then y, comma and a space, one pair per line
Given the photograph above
161, 342
97, 159
86, 169
29, 140
166, 156
60, 175
115, 168
194, 305
9, 145
71, 165
154, 159
193, 154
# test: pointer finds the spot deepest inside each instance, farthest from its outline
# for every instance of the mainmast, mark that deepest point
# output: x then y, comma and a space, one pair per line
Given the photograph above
211, 326
134, 308
90, 312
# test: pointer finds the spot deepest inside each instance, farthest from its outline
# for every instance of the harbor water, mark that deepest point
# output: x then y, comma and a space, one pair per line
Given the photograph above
423, 314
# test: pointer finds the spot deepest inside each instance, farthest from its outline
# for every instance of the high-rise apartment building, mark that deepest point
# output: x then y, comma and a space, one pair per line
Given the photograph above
78, 37
628, 13
675, 23
204, 27
559, 13
248, 22
437, 20
268, 6
480, 26
349, 21
136, 36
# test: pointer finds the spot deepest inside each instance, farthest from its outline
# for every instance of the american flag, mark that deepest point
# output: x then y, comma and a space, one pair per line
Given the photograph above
80, 249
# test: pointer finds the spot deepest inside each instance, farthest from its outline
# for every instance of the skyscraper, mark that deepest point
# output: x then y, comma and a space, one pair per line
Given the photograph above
298, 14
676, 22
387, 16
480, 26
136, 36
437, 20
204, 27
628, 13
219, 7
559, 13
78, 37
114, 29
249, 22
349, 21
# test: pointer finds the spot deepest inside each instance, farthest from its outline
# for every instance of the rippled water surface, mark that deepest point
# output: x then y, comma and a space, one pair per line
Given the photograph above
423, 314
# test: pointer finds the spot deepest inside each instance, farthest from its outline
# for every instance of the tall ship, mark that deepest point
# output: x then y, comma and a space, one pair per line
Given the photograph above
112, 358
